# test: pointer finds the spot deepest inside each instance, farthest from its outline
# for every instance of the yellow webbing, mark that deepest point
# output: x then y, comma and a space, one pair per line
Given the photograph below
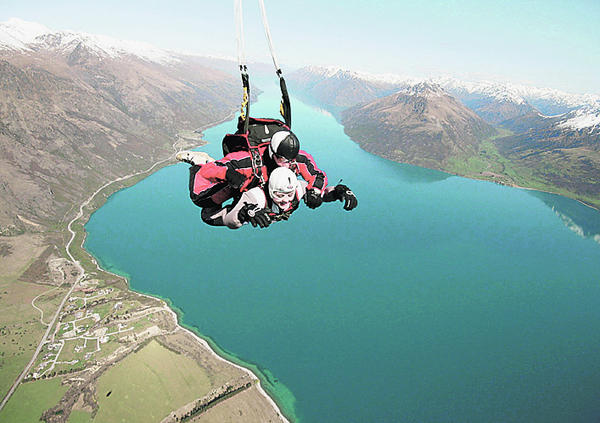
244, 103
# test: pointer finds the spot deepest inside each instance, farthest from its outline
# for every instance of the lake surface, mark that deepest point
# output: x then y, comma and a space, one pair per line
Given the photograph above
439, 299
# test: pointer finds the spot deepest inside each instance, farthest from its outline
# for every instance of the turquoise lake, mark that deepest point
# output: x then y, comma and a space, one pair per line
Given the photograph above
439, 299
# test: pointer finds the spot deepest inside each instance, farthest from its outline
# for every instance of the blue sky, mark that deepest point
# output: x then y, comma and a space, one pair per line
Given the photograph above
544, 43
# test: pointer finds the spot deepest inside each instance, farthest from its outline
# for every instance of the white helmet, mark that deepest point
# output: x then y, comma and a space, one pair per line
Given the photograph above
282, 181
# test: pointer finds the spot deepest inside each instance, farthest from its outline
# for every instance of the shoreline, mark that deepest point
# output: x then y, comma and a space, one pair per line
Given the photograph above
509, 185
201, 339
82, 214
475, 178
204, 343
583, 203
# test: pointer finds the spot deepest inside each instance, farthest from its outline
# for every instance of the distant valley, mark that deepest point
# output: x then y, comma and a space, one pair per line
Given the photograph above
516, 135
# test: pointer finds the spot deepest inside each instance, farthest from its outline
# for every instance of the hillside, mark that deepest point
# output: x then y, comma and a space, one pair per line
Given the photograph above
421, 125
561, 153
77, 110
525, 147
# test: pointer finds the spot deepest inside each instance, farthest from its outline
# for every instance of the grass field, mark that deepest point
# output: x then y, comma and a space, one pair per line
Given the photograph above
31, 399
49, 301
147, 385
78, 416
562, 172
20, 329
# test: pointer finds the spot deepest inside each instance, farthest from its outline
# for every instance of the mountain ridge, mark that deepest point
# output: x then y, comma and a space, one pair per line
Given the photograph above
557, 153
73, 116
420, 125
502, 91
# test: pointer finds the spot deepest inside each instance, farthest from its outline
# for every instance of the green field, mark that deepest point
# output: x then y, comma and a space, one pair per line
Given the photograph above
31, 399
155, 380
20, 330
78, 416
562, 172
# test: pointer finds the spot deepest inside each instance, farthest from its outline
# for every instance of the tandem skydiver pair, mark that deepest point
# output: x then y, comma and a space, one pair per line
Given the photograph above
263, 186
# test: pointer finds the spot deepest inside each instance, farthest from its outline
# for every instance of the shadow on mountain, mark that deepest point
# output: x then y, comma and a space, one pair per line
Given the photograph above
583, 220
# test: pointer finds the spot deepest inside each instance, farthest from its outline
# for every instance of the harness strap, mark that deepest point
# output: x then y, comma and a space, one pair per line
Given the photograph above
257, 165
285, 215
284, 108
245, 107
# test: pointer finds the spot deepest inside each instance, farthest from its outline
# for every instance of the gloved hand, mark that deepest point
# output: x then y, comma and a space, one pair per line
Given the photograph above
235, 179
255, 215
343, 193
313, 199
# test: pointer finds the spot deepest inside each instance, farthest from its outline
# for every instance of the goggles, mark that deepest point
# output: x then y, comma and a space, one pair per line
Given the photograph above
280, 195
281, 159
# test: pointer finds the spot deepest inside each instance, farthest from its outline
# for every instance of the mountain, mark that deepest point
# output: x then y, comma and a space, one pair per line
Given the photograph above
546, 139
559, 152
420, 125
338, 89
577, 129
77, 110
495, 102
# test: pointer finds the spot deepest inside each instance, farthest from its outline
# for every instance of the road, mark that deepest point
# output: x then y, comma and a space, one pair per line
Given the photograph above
80, 276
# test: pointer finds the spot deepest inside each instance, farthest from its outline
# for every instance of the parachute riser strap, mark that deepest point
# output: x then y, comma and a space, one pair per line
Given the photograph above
241, 48
245, 108
285, 107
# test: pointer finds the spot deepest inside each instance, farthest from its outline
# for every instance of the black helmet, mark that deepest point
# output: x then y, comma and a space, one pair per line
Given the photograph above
284, 144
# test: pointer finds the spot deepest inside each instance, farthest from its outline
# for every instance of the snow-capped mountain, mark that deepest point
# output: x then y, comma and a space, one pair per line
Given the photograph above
78, 109
335, 71
493, 101
554, 140
548, 101
19, 35
497, 91
585, 118
425, 89
338, 89
15, 34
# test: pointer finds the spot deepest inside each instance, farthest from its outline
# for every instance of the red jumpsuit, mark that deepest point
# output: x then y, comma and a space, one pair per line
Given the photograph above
209, 188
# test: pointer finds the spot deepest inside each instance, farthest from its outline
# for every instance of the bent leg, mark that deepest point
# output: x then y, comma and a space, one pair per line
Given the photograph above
213, 216
205, 193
